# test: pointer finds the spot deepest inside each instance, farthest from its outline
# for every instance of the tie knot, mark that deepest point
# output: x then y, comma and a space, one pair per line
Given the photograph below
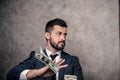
53, 56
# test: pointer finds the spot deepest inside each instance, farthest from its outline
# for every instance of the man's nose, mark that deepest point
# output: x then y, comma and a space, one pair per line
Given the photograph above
63, 37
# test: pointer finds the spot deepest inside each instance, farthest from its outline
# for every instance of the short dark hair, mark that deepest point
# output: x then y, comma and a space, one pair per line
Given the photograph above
52, 23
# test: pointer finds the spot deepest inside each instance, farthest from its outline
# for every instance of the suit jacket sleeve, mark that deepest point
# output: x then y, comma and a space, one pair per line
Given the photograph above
77, 68
15, 72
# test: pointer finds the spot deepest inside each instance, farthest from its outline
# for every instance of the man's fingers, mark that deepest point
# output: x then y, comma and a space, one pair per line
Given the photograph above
63, 66
60, 61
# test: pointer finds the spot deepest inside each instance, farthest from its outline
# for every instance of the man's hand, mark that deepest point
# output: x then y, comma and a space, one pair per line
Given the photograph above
45, 71
60, 63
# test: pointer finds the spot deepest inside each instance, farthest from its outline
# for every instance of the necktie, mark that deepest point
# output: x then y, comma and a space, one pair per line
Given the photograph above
53, 57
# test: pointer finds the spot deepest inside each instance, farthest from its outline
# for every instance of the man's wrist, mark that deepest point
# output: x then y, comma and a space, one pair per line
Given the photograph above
23, 75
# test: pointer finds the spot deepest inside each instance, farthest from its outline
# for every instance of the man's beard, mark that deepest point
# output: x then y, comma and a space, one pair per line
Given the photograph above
56, 45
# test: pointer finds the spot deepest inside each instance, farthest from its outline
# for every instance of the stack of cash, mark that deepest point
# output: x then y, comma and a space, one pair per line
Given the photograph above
70, 77
40, 55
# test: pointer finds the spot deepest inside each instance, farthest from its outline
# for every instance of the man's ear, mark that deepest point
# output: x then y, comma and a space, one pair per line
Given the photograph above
47, 35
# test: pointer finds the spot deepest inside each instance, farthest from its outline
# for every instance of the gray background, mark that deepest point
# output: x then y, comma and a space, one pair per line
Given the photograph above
93, 33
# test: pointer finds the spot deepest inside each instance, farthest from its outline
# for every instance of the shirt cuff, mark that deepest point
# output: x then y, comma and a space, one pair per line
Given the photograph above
23, 75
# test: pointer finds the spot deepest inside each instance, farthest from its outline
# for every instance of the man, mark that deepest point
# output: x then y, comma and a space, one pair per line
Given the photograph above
31, 68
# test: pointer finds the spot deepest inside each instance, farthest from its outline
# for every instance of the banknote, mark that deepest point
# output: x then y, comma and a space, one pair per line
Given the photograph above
70, 77
40, 55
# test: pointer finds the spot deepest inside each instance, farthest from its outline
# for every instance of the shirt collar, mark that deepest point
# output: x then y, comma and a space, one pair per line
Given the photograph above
49, 52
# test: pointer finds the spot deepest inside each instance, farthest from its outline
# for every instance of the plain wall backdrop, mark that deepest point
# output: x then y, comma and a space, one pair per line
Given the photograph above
93, 33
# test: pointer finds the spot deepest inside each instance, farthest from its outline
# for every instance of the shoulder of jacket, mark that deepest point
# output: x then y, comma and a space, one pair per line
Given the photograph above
32, 53
70, 55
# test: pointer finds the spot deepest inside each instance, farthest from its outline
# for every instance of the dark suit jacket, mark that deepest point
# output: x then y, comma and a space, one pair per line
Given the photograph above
73, 68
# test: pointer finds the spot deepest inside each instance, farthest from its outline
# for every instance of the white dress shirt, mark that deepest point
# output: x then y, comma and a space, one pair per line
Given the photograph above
23, 73
56, 59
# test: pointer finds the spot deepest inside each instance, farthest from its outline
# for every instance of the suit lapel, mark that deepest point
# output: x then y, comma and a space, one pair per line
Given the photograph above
45, 52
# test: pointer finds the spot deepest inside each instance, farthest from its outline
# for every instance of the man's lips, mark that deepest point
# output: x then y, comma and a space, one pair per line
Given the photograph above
62, 43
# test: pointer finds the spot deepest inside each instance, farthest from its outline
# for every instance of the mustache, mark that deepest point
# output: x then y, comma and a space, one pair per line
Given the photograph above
61, 41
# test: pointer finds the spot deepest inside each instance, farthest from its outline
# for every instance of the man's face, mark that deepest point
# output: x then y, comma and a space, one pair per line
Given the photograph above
57, 37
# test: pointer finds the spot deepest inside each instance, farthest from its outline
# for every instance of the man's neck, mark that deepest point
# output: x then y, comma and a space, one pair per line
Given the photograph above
52, 49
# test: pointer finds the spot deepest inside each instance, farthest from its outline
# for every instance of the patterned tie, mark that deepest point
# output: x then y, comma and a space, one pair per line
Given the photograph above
53, 57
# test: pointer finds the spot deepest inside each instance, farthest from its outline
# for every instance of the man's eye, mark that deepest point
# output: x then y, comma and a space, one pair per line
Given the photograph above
59, 33
65, 34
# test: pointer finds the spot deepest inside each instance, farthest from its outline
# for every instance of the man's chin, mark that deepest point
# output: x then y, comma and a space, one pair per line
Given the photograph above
61, 47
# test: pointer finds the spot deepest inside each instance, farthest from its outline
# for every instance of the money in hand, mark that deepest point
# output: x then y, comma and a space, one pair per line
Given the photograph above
40, 55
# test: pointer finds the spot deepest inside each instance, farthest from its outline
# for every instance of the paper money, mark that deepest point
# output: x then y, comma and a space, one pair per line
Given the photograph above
70, 77
40, 55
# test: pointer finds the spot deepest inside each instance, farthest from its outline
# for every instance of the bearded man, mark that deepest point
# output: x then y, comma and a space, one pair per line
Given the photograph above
33, 69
